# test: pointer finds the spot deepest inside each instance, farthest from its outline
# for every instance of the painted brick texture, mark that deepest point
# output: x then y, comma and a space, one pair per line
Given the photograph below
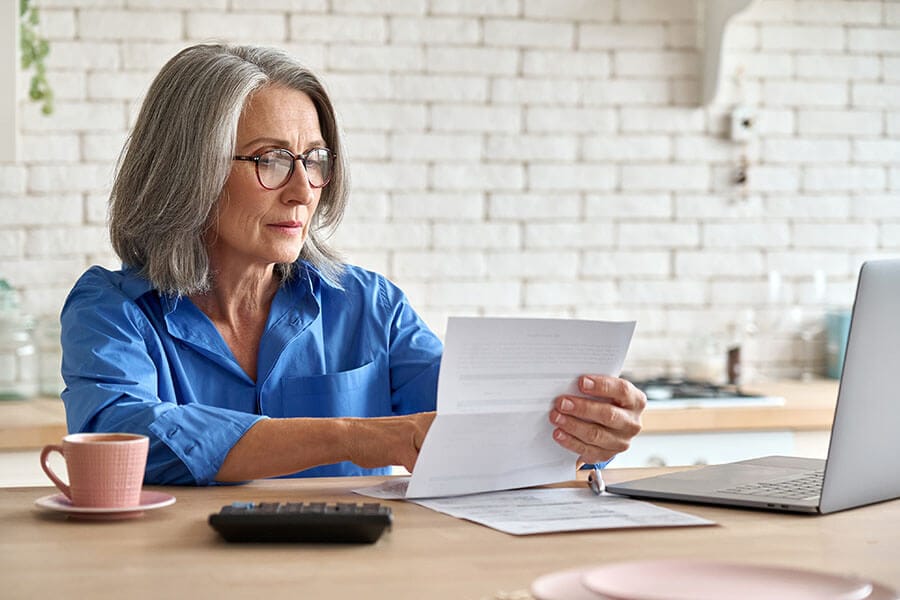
524, 157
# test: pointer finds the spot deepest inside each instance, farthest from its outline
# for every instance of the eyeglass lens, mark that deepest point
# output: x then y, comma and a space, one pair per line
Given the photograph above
276, 166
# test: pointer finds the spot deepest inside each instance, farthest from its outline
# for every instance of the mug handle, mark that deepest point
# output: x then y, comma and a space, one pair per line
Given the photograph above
45, 454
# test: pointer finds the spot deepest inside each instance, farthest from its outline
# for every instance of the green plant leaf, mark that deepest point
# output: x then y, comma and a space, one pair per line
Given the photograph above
34, 50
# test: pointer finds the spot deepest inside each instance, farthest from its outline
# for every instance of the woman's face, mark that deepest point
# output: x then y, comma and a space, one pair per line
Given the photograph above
261, 227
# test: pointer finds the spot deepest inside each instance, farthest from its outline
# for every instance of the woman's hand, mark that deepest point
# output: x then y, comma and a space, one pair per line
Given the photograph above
602, 424
381, 441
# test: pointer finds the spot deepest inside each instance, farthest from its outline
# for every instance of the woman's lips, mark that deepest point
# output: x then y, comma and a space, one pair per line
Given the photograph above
288, 226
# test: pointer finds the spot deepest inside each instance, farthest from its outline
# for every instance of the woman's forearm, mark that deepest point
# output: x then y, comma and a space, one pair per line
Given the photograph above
274, 447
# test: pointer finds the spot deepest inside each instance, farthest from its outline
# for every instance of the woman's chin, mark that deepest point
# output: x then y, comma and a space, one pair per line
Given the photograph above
290, 256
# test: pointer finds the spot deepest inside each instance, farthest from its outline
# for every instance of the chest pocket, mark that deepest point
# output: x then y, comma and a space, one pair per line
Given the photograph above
360, 392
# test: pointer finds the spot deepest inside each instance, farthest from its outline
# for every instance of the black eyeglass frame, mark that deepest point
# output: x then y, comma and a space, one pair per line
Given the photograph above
294, 158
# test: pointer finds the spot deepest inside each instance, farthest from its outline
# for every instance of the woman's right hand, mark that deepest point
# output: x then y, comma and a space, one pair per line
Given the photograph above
381, 441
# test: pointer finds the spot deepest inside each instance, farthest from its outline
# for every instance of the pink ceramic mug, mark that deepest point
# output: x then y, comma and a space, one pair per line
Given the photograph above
106, 470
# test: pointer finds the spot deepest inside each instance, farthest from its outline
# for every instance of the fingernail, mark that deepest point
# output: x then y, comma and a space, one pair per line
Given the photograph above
559, 419
587, 383
559, 435
567, 404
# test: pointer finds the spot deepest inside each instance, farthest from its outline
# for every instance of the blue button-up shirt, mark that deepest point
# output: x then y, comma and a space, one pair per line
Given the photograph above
140, 361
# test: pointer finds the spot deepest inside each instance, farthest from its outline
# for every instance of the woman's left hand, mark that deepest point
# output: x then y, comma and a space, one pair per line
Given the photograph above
600, 424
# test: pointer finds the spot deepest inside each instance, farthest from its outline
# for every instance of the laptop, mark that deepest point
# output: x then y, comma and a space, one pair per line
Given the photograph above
863, 463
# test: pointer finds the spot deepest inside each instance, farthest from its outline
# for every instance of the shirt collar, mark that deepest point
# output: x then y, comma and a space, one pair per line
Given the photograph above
133, 283
296, 303
315, 275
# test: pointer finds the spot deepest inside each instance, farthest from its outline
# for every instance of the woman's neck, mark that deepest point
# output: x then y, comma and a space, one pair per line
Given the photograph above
238, 305
237, 297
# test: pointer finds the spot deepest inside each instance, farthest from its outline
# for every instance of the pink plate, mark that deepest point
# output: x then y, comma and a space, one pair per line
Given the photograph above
562, 585
707, 580
149, 501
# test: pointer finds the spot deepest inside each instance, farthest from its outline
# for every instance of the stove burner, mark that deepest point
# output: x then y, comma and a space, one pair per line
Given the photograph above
672, 388
678, 393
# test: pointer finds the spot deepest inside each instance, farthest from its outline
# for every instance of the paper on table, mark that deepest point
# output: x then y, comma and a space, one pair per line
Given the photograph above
497, 382
548, 510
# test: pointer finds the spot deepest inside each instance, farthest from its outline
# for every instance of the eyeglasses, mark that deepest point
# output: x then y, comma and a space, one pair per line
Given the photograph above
274, 168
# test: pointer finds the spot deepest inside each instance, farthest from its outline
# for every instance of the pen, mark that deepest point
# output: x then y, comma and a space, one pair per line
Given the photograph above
595, 480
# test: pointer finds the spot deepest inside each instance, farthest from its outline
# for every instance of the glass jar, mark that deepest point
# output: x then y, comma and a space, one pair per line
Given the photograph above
18, 353
18, 358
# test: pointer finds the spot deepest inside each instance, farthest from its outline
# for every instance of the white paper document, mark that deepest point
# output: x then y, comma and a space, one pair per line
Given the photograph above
548, 510
497, 383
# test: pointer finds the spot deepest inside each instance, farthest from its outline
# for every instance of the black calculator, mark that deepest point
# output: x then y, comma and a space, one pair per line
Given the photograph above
312, 522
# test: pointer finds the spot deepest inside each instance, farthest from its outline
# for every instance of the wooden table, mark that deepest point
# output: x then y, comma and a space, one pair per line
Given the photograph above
173, 553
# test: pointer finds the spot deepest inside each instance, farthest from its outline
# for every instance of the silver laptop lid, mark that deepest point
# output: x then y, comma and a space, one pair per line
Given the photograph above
864, 455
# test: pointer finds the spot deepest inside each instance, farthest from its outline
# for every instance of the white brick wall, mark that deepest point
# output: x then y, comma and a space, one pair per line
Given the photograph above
256, 27
435, 30
129, 24
521, 157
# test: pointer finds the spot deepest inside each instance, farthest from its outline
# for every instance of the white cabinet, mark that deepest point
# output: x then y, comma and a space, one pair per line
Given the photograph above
23, 468
701, 448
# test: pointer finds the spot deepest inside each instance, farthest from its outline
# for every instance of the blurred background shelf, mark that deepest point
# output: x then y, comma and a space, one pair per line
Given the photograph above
799, 427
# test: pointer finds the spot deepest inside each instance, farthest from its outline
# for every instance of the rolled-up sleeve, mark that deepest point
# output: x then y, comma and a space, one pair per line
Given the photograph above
117, 379
200, 437
415, 355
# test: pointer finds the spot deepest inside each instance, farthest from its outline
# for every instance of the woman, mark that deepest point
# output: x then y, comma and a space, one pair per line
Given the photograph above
233, 337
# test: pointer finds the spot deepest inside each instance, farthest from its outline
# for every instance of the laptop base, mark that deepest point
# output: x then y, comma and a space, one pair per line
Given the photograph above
706, 485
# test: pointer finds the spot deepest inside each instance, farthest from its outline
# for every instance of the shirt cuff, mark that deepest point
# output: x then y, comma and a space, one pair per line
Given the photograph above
202, 436
599, 465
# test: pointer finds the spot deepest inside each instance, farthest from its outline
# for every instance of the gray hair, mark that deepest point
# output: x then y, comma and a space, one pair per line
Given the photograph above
175, 163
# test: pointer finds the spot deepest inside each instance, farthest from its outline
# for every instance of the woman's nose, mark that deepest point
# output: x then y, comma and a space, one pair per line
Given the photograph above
298, 190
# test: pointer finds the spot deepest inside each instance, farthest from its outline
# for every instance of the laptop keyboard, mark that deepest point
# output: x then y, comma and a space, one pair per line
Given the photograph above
808, 485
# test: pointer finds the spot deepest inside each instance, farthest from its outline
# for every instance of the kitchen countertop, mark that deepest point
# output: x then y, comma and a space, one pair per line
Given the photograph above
29, 424
809, 406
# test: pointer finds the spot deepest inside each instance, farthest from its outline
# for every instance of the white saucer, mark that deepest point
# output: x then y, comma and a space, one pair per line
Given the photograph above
149, 501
